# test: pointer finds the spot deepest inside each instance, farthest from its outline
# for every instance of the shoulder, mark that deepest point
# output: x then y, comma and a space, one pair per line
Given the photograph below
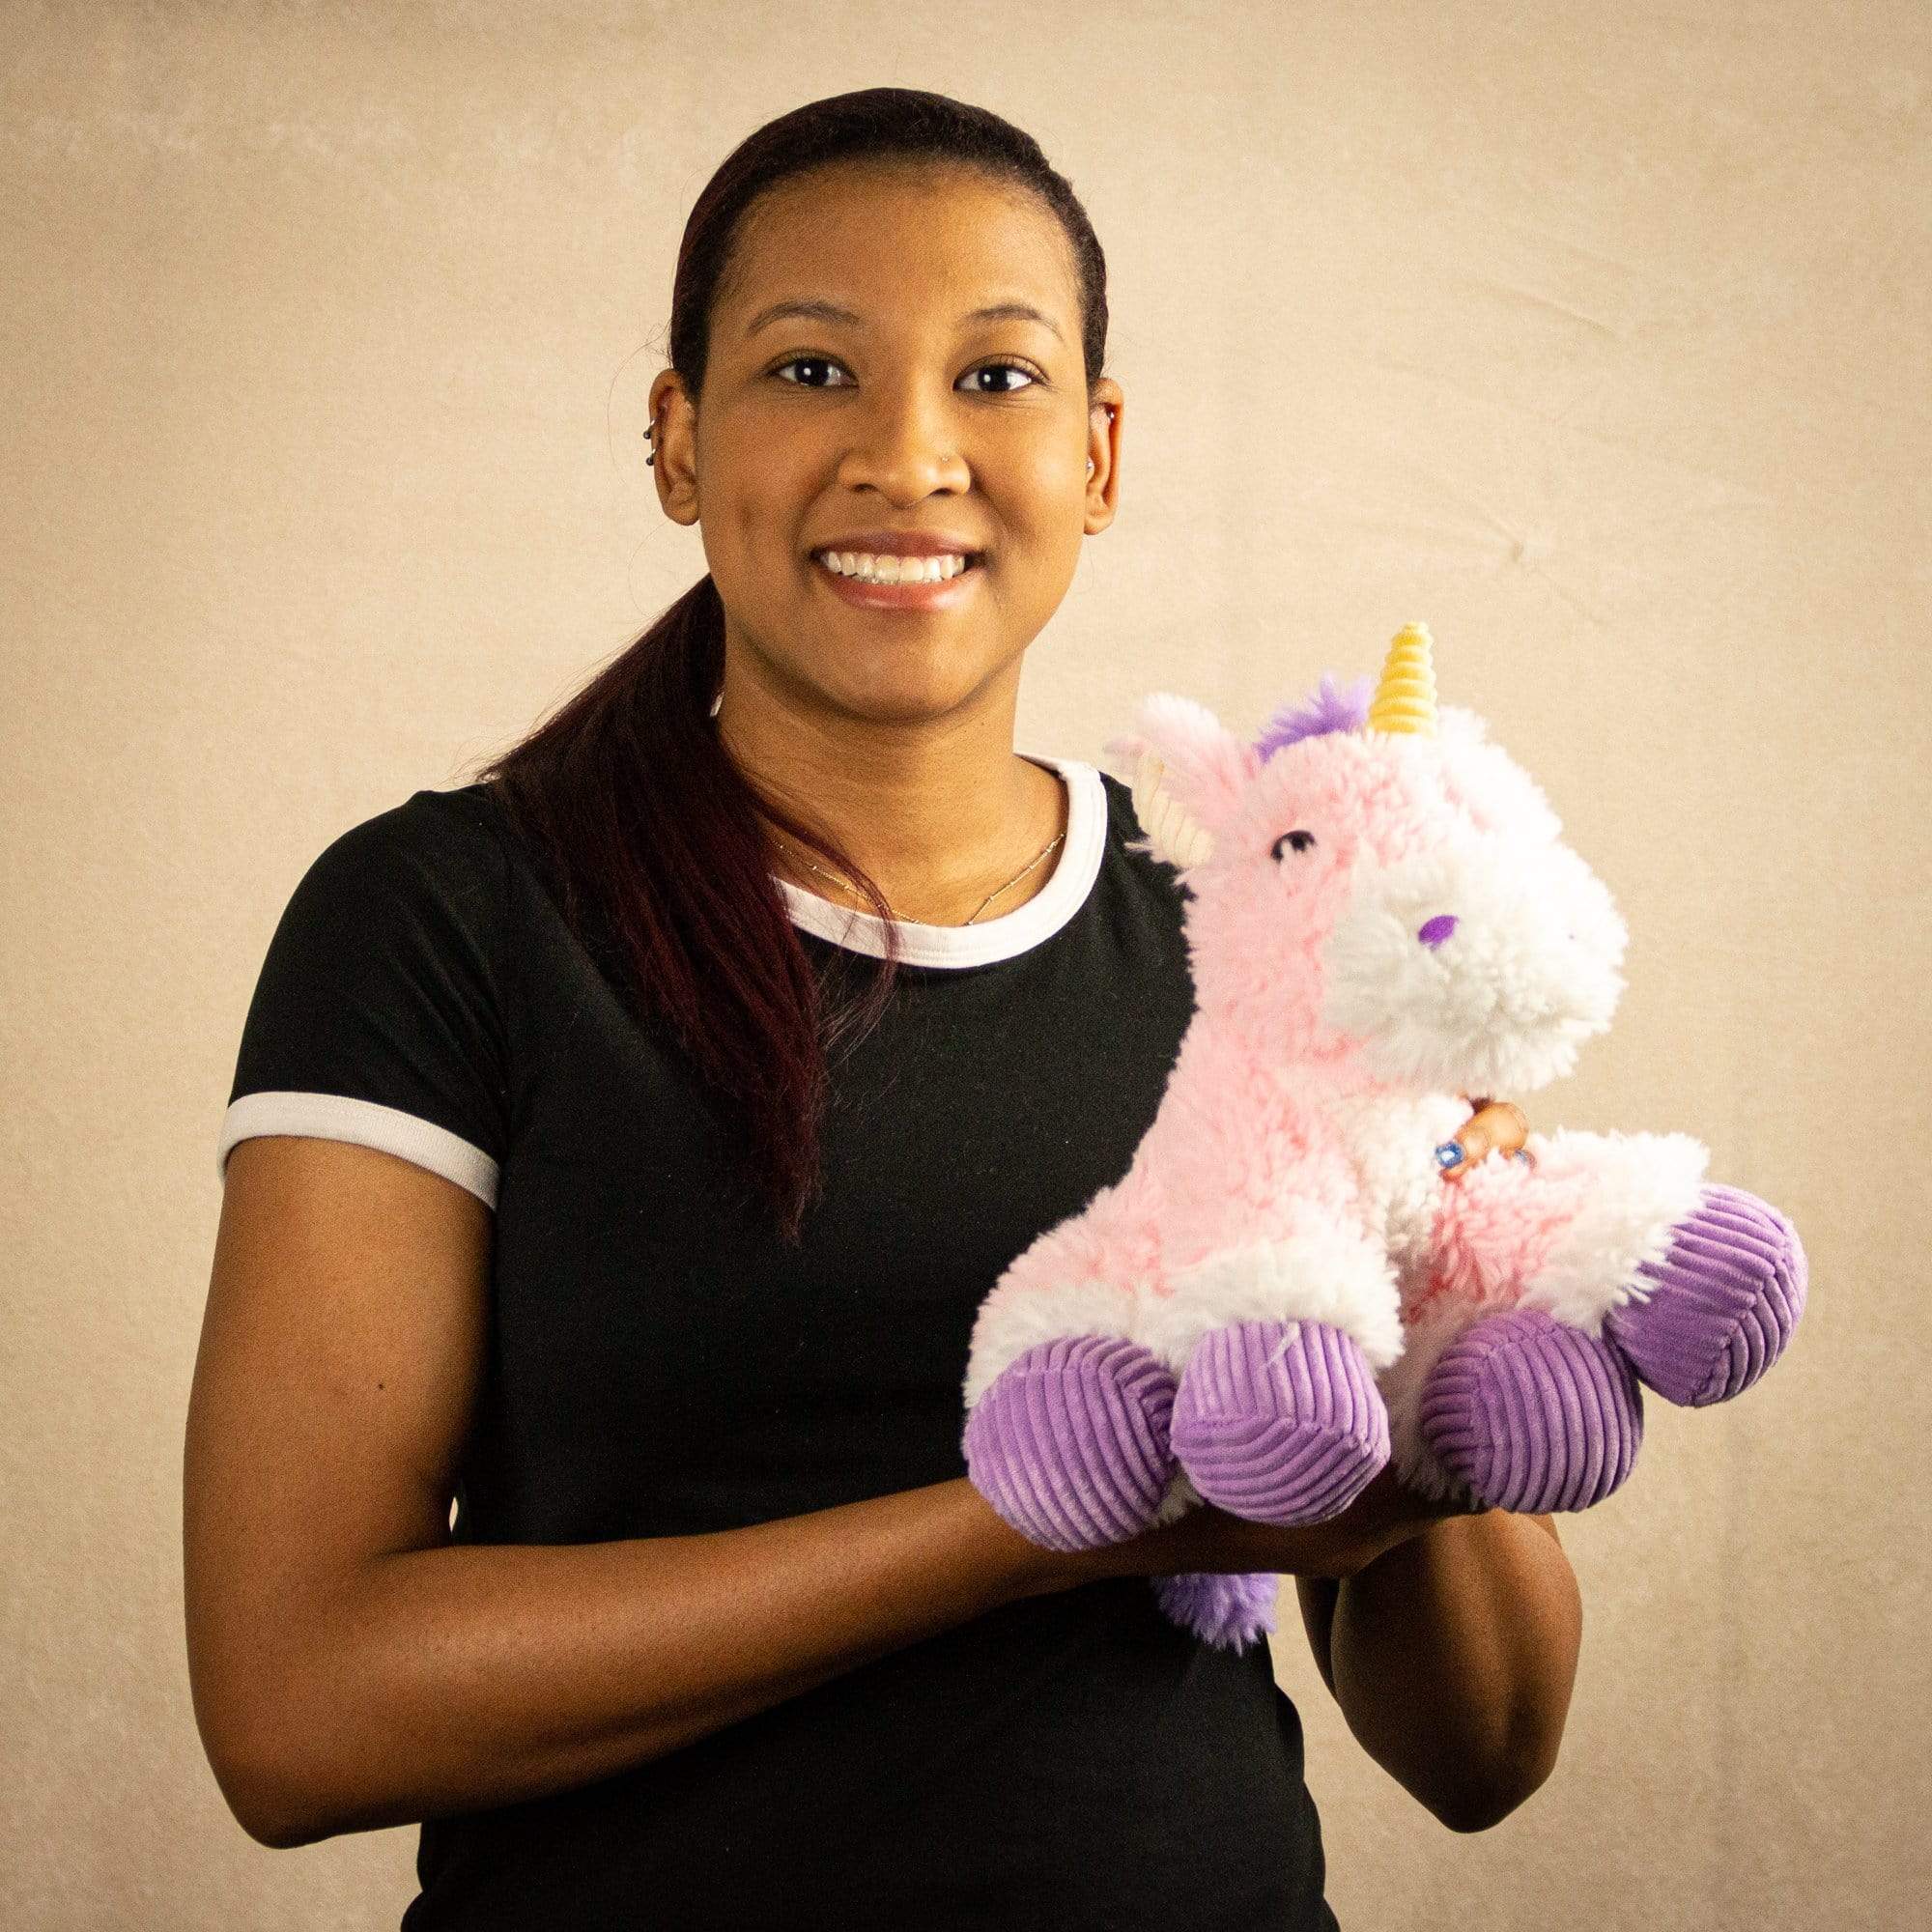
447, 845
467, 821
1127, 845
426, 878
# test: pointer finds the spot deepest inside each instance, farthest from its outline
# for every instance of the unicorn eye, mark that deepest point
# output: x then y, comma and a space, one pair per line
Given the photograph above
1300, 840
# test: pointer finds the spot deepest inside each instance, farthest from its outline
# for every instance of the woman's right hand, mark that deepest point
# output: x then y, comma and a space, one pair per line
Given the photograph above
1209, 1540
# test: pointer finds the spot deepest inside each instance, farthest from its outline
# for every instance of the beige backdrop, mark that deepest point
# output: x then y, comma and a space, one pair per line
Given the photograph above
1595, 338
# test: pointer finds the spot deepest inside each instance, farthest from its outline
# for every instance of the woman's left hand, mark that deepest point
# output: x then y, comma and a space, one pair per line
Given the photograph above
1496, 1127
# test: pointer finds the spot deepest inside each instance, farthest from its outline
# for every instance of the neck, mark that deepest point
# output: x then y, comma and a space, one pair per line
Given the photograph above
937, 827
1264, 1035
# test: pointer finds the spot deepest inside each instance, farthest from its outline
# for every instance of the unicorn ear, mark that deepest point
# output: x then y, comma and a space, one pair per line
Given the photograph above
1187, 772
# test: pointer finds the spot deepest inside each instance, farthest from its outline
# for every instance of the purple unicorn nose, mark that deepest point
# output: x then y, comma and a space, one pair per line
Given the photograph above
1435, 930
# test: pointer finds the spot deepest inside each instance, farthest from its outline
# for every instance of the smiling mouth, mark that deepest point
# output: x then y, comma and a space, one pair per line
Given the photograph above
974, 561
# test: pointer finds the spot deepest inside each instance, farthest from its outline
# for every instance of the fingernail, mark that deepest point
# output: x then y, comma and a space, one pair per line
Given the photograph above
1449, 1154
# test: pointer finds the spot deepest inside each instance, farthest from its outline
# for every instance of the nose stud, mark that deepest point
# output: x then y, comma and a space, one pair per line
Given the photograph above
1435, 930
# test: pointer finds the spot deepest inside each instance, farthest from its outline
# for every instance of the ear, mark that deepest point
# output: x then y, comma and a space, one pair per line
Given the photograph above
1188, 772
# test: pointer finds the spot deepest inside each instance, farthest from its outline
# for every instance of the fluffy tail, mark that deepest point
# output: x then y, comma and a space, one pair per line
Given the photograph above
1228, 1611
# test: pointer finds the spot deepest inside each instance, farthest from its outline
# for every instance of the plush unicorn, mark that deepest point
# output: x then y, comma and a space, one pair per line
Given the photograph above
1284, 1291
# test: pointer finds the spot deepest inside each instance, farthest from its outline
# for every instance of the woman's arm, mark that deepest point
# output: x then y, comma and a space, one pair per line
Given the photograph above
474, 1675
1453, 1653
1453, 1656
351, 1665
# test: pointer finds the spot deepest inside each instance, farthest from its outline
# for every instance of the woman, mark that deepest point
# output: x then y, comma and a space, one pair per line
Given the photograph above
549, 1190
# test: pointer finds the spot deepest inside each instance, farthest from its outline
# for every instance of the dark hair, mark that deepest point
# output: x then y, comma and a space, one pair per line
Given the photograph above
649, 826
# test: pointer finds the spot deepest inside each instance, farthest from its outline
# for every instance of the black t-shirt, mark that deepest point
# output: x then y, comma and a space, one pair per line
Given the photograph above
660, 1364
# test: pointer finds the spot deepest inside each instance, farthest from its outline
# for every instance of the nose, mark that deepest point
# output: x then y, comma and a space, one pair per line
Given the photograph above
914, 450
1435, 930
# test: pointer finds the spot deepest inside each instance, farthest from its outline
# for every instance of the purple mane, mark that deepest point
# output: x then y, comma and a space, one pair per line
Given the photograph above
1325, 709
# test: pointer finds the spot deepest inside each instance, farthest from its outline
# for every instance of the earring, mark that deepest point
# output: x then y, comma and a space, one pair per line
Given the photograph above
1090, 466
651, 437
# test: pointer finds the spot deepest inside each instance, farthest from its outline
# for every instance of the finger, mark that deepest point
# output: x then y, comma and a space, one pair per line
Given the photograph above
1497, 1126
1471, 1142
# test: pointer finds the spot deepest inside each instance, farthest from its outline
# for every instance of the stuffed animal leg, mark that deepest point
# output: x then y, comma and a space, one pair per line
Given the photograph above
1554, 1293
1066, 1414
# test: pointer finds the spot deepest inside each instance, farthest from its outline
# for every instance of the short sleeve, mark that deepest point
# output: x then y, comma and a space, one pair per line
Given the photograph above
377, 1017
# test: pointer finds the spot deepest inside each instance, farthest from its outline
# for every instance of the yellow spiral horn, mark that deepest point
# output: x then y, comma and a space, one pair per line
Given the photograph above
1405, 700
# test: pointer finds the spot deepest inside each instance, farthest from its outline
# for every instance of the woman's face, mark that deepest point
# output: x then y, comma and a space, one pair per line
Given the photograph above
906, 413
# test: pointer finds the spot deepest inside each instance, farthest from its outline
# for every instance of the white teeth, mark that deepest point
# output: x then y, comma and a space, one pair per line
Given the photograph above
872, 569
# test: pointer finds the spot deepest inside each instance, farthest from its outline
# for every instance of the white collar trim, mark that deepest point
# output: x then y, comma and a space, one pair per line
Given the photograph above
989, 939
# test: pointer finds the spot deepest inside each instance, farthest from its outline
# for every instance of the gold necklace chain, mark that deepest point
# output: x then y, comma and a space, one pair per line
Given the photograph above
984, 902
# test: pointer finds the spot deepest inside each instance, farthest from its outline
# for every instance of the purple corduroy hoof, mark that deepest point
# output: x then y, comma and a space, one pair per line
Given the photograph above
1070, 1444
1280, 1422
1228, 1611
1532, 1414
1723, 1301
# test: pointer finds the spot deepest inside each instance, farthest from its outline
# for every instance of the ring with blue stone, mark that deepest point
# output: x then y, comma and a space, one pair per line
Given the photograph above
1449, 1154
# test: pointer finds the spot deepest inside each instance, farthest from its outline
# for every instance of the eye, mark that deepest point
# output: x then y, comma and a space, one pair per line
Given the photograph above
808, 362
828, 362
1018, 369
1299, 841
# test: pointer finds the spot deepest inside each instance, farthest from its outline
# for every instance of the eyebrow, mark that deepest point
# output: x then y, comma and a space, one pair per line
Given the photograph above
825, 311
